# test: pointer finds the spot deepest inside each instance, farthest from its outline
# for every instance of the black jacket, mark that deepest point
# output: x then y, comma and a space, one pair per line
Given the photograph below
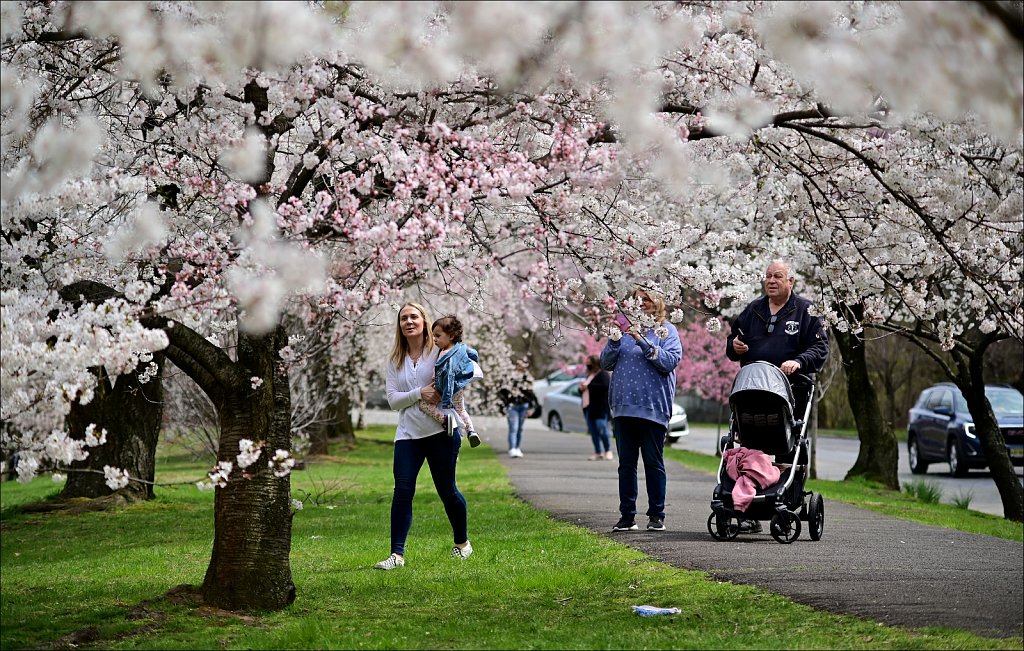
598, 390
519, 391
797, 335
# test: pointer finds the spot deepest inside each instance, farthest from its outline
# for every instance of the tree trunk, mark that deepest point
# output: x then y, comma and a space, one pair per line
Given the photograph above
971, 381
250, 567
879, 452
131, 413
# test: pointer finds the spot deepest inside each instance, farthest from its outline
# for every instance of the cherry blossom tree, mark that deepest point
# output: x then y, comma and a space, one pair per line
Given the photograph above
195, 168
704, 369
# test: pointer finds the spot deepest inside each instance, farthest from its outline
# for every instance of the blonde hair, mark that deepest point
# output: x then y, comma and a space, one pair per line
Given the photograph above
660, 312
401, 347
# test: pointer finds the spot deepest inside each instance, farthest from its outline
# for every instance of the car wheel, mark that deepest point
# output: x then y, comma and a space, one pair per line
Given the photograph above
917, 466
555, 422
957, 465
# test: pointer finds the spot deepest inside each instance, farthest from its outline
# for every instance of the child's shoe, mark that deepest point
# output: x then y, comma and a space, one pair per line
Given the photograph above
474, 439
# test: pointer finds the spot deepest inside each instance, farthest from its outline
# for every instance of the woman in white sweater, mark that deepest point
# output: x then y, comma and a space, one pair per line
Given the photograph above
418, 438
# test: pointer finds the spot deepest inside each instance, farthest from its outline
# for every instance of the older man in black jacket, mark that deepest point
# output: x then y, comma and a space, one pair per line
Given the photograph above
778, 328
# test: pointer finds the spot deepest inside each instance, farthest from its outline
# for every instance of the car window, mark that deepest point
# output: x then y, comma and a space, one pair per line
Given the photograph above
1006, 403
922, 400
572, 390
961, 402
943, 398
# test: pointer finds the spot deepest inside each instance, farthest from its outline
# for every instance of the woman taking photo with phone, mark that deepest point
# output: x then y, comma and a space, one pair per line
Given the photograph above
643, 388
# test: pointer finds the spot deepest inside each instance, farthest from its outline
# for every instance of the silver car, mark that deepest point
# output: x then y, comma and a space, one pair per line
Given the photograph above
563, 413
555, 380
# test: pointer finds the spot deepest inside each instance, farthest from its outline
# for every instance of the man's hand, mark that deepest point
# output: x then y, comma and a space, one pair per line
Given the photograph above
790, 367
429, 394
740, 347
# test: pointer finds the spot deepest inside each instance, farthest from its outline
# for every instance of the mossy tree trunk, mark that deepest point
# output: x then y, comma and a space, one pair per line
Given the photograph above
970, 379
250, 567
131, 413
878, 458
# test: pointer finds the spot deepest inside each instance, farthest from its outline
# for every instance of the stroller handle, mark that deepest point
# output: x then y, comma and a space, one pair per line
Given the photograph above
801, 379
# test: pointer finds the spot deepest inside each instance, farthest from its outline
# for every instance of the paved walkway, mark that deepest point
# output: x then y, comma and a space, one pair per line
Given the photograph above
866, 564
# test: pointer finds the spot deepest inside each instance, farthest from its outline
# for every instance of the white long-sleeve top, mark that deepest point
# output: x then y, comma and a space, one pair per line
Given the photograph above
403, 385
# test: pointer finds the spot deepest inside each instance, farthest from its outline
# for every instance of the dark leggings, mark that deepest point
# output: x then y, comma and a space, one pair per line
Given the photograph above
441, 452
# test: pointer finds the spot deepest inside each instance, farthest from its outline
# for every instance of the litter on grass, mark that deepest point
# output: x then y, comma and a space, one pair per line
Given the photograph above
653, 611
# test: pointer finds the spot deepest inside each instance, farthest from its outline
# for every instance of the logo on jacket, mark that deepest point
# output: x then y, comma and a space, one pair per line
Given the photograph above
792, 327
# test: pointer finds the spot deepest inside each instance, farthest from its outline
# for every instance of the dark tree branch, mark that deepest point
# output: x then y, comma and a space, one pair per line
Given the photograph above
1009, 14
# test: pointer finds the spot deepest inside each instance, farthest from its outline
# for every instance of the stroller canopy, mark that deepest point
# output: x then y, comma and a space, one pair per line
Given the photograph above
762, 404
762, 376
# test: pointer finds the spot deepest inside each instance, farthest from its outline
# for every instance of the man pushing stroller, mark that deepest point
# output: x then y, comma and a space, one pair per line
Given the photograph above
778, 328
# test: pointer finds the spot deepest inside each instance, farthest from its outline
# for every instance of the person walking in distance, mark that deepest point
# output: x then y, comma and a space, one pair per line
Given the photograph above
594, 400
643, 361
418, 437
778, 328
518, 399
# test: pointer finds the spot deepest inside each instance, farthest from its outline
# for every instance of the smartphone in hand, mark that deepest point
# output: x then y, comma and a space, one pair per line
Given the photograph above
622, 321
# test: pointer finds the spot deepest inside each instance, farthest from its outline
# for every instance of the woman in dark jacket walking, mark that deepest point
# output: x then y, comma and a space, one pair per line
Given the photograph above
594, 395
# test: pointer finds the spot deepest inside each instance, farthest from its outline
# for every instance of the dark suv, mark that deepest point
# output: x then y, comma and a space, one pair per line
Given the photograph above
940, 429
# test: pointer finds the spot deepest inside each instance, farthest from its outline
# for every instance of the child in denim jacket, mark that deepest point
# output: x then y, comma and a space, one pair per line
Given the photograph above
456, 366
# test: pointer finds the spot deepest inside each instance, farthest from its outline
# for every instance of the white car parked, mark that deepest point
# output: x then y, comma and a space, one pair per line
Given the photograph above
563, 413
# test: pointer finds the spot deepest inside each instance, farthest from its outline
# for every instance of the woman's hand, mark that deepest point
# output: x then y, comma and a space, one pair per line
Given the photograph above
430, 394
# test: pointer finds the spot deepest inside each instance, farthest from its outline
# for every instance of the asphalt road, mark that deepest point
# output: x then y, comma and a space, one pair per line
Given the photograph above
866, 564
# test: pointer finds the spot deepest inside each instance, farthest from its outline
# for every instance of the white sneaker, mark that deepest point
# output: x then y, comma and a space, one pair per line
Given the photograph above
515, 452
462, 553
390, 563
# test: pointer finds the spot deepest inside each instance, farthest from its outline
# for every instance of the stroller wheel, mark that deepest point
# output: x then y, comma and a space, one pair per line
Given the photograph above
816, 516
785, 527
722, 527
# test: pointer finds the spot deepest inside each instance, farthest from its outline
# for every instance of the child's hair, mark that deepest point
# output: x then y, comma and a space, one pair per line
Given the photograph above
451, 326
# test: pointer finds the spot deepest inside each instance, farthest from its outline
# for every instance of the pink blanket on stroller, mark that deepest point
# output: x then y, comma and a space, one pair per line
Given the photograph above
752, 469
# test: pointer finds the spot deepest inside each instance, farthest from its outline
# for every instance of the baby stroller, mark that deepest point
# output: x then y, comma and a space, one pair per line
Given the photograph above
762, 403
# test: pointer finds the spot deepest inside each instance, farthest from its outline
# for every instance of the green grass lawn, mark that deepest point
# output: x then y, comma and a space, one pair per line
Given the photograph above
102, 579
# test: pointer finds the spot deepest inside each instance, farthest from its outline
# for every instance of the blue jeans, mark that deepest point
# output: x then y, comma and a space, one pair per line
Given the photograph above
598, 428
440, 452
637, 437
516, 419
